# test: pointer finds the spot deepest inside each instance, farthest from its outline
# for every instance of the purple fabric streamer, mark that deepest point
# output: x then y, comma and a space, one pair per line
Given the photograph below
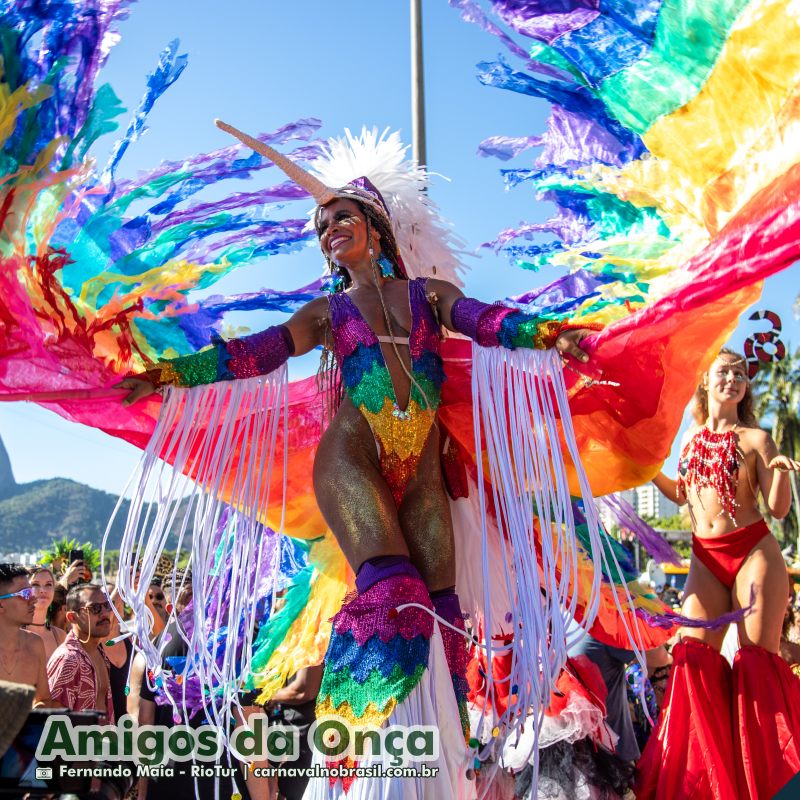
274, 194
574, 140
670, 620
627, 518
200, 325
546, 20
198, 697
228, 161
54, 31
170, 66
506, 147
569, 227
578, 285
573, 97
472, 12
270, 236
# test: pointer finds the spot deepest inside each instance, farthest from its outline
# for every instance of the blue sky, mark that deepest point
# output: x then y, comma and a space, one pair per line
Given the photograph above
259, 64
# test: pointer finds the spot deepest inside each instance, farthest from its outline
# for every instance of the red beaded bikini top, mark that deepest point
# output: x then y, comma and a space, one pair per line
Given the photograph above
712, 459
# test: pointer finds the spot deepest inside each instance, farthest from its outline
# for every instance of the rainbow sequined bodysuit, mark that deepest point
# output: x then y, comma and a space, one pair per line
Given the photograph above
400, 433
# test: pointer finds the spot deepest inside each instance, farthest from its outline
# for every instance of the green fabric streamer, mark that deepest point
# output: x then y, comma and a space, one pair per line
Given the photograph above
274, 632
673, 72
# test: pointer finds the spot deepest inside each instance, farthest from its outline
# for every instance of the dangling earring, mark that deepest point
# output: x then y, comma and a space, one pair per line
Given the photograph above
387, 268
335, 280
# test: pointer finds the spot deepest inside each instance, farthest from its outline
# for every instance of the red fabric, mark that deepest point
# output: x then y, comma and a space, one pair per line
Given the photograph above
767, 733
481, 694
725, 554
690, 754
579, 676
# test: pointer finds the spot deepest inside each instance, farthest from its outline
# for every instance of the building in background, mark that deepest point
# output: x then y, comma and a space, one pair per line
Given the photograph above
651, 504
648, 503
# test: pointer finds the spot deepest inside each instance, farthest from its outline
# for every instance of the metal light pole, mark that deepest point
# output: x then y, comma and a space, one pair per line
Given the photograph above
417, 86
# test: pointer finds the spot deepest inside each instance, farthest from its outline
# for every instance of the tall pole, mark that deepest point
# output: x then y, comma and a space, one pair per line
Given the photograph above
417, 86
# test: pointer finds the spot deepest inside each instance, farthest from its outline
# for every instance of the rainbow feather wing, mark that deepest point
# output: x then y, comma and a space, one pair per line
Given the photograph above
668, 119
672, 157
98, 270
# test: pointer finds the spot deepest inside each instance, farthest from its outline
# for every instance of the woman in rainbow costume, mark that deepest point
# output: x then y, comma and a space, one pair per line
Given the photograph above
377, 472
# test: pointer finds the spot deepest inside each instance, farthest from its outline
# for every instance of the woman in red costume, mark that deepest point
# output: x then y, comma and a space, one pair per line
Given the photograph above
728, 733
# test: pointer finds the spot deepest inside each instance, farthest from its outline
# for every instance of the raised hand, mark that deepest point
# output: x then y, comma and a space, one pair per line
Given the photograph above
139, 388
569, 341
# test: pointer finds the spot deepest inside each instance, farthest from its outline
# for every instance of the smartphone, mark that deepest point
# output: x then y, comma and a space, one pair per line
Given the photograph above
75, 555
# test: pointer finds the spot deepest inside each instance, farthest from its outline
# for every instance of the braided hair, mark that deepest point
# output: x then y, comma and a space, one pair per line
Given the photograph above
329, 379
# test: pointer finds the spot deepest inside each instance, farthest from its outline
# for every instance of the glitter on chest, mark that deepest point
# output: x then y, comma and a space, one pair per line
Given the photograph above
401, 433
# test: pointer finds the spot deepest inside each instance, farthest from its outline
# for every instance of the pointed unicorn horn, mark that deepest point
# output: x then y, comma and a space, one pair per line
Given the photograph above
315, 187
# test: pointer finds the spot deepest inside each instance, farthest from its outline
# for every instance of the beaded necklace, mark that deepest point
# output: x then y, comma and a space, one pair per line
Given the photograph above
711, 460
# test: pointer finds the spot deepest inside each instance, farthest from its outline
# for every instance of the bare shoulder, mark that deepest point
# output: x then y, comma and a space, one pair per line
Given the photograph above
442, 293
689, 435
33, 644
438, 285
754, 438
318, 307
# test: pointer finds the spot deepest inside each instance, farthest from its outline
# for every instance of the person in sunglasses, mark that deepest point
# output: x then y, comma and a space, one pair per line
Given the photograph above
78, 671
22, 654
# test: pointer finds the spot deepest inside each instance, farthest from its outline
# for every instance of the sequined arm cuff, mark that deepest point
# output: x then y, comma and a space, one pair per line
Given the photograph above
501, 326
239, 358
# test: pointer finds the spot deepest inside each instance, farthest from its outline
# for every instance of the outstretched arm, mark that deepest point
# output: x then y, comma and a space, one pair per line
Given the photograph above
773, 479
247, 357
495, 325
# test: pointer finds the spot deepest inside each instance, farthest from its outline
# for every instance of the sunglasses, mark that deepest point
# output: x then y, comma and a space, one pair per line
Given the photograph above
159, 596
26, 594
97, 608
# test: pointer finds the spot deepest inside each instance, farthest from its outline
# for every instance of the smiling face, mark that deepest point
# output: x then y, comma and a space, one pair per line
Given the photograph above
342, 231
726, 381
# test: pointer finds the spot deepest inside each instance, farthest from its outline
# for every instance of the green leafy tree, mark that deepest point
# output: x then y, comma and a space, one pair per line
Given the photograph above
57, 555
777, 403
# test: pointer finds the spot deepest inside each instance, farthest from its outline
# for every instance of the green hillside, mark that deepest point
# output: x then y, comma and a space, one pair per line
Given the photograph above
36, 513
33, 514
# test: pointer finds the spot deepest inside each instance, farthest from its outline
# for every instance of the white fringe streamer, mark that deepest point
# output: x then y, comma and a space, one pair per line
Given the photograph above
519, 398
247, 415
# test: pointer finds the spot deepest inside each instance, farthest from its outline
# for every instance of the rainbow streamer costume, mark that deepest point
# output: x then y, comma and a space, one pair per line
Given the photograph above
671, 155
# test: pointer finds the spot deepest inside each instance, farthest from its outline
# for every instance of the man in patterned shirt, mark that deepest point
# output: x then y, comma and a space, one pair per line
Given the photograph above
78, 669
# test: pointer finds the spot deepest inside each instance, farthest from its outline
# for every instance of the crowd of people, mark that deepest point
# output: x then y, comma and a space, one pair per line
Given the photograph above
59, 633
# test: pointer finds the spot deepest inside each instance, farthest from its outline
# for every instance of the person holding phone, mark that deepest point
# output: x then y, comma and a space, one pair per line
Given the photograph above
77, 571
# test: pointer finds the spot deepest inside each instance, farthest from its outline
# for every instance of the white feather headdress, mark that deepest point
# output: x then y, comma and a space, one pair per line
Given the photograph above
427, 242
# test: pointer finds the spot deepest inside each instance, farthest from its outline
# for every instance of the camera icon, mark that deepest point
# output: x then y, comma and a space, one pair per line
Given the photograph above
44, 773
